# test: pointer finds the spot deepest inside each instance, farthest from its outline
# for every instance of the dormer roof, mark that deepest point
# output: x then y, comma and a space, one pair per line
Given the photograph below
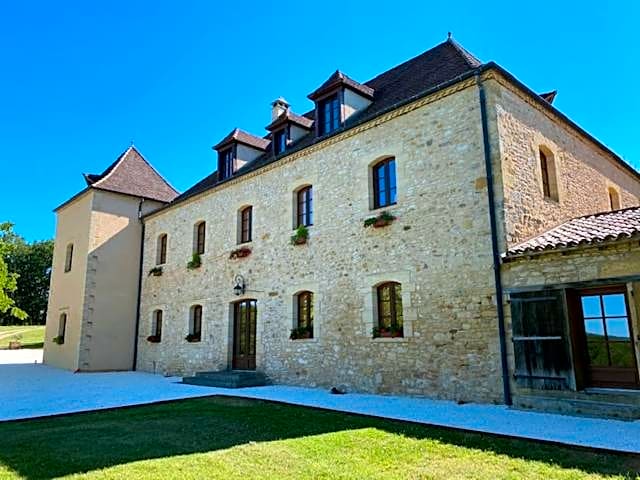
338, 79
132, 174
240, 136
289, 117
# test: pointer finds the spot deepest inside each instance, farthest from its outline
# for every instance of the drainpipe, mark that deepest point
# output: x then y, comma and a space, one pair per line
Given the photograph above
495, 249
135, 340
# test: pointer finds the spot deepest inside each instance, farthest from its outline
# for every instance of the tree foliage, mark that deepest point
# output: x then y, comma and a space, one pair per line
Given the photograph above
24, 278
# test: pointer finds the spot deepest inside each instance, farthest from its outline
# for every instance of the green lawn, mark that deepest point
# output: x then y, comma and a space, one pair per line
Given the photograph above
30, 336
227, 438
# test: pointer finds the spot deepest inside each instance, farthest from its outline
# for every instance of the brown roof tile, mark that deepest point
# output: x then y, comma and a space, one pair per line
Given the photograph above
435, 67
587, 230
241, 136
131, 174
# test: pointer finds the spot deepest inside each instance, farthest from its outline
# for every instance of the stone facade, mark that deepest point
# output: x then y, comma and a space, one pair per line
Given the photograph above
438, 249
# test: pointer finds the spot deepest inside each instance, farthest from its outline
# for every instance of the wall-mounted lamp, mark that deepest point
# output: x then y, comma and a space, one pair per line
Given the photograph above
239, 286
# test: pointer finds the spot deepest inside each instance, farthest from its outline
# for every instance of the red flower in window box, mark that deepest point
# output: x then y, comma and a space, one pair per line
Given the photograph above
387, 332
153, 339
240, 253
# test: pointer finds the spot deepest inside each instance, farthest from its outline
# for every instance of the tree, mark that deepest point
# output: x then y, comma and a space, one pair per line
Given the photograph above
8, 279
30, 264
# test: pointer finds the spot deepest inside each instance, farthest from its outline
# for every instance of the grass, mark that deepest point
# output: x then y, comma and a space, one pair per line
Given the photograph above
227, 438
30, 336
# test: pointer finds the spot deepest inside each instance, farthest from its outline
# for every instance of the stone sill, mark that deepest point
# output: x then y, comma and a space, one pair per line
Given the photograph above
390, 340
305, 340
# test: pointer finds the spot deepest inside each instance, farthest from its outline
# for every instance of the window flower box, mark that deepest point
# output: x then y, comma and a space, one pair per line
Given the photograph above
382, 220
195, 262
153, 339
192, 338
387, 332
301, 236
301, 333
155, 271
240, 253
58, 340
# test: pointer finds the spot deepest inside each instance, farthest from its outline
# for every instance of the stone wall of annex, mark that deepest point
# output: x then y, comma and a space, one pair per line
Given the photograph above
614, 264
439, 249
584, 172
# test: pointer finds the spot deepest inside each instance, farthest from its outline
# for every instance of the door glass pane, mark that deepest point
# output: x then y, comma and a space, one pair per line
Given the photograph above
621, 354
614, 305
598, 356
591, 306
618, 328
594, 327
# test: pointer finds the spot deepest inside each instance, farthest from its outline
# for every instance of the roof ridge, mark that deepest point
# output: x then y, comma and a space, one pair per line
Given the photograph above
144, 159
112, 168
471, 59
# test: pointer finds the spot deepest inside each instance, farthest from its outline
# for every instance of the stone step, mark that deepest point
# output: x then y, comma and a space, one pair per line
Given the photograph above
228, 379
591, 407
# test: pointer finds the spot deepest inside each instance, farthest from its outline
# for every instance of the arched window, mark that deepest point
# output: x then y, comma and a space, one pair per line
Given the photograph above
68, 259
161, 256
548, 174
195, 324
389, 321
384, 183
62, 328
614, 199
200, 232
156, 327
304, 315
246, 220
304, 206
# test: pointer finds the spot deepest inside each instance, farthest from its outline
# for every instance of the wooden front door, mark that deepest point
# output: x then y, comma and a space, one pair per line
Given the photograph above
608, 352
244, 335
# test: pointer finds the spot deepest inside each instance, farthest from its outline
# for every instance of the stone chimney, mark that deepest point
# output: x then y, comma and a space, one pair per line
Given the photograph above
278, 107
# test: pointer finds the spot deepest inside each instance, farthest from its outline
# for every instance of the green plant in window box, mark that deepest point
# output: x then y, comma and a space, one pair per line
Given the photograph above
382, 220
387, 332
59, 339
153, 339
192, 338
195, 262
301, 236
300, 333
155, 271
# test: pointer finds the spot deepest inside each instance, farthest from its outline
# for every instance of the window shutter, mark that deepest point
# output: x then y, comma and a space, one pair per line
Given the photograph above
540, 340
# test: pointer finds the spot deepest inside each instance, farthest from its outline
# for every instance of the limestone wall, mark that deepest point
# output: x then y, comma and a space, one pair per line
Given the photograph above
439, 249
584, 172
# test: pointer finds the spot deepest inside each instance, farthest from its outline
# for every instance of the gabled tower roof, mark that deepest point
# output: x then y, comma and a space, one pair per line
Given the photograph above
132, 174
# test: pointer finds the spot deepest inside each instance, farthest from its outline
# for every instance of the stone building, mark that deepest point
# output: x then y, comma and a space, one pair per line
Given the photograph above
387, 240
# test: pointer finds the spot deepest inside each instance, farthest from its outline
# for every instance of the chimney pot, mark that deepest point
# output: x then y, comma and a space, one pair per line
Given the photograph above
278, 107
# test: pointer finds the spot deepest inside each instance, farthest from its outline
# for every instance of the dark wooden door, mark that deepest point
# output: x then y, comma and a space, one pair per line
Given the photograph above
244, 335
607, 342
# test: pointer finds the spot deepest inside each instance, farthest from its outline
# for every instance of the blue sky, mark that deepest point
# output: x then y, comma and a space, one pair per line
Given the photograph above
80, 80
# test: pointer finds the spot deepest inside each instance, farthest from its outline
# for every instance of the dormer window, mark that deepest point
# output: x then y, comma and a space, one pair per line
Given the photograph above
328, 114
226, 163
280, 140
337, 99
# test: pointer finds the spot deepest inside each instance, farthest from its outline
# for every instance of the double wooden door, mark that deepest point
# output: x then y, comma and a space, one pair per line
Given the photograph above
244, 335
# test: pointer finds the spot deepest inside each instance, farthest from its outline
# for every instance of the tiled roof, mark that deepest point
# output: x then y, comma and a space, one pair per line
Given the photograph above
133, 175
289, 116
339, 78
587, 230
241, 136
435, 67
